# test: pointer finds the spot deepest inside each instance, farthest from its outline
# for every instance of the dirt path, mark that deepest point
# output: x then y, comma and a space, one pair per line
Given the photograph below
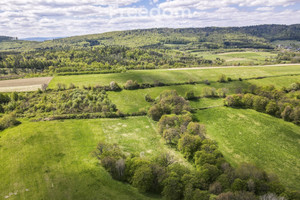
223, 67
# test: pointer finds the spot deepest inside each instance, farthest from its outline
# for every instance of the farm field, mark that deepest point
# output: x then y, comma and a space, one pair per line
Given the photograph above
235, 58
249, 136
176, 76
23, 85
54, 160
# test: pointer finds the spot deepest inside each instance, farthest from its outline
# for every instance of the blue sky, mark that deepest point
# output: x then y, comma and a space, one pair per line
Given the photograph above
56, 18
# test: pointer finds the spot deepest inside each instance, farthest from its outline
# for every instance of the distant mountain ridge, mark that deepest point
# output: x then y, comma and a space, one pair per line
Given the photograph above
258, 37
40, 39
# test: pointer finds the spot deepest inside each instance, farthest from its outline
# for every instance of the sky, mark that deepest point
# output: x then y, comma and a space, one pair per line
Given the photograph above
61, 18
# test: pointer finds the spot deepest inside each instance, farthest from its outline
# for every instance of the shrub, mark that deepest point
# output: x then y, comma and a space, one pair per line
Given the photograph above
4, 98
229, 79
148, 98
234, 101
222, 78
206, 82
286, 113
248, 100
171, 135
155, 112
190, 95
131, 85
114, 86
222, 92
8, 121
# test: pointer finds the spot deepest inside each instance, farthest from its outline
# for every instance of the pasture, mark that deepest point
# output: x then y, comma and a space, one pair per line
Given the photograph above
54, 159
248, 136
176, 76
239, 58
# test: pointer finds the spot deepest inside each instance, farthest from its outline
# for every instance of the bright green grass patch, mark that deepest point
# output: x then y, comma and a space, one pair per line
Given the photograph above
249, 136
234, 58
279, 82
53, 159
174, 76
129, 101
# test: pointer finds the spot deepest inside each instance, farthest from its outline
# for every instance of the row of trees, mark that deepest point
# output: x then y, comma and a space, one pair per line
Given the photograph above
269, 100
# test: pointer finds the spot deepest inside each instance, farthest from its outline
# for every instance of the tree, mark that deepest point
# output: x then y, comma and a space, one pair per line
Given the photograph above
155, 112
189, 144
295, 115
260, 103
143, 178
286, 113
272, 108
171, 135
201, 195
248, 100
234, 101
215, 188
239, 185
173, 188
195, 128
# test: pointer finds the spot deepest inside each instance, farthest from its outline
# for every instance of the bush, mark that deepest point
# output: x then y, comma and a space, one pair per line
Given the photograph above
234, 101
286, 113
131, 85
8, 121
148, 98
239, 185
114, 86
190, 95
222, 78
195, 128
206, 82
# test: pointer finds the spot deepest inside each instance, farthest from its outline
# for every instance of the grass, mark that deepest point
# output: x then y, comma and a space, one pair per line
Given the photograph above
52, 160
248, 136
174, 76
129, 101
279, 82
235, 58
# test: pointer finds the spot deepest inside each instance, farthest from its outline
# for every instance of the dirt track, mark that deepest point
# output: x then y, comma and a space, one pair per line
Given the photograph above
22, 85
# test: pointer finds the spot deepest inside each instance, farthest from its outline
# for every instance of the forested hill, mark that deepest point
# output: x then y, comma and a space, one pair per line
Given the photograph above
259, 37
6, 38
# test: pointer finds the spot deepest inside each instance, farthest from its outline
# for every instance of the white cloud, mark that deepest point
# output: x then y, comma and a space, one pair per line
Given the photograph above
29, 18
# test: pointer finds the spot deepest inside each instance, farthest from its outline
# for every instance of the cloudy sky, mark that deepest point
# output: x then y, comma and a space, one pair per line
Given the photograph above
57, 18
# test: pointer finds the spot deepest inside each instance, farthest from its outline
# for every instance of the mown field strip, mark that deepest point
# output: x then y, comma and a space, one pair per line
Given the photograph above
24, 85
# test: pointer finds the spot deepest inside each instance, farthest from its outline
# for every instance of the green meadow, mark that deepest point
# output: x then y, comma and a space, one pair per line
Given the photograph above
248, 136
242, 58
53, 160
176, 76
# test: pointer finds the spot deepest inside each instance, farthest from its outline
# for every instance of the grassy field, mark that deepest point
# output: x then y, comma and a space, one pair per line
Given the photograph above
235, 58
279, 82
249, 136
129, 101
175, 76
52, 160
